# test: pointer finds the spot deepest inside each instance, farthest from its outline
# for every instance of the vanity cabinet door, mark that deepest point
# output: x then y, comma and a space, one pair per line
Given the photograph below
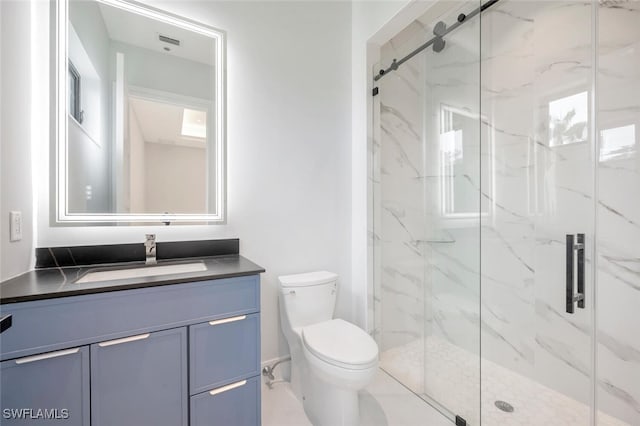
46, 389
236, 404
140, 380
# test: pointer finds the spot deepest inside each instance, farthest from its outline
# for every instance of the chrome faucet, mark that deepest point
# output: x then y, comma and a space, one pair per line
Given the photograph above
150, 249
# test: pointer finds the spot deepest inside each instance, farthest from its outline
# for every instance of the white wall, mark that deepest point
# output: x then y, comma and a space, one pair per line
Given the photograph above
137, 164
2, 212
169, 170
289, 129
90, 142
15, 135
158, 70
89, 44
90, 167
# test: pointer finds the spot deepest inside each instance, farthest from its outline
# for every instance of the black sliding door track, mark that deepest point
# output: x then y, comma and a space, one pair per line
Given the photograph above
437, 41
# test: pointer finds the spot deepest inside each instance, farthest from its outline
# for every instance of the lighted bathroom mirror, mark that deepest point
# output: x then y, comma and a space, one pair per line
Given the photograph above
140, 121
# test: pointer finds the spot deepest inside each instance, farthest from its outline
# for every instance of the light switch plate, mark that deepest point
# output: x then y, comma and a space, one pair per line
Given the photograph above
15, 226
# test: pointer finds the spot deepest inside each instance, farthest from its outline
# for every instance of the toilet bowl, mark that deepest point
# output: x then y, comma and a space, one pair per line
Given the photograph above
331, 359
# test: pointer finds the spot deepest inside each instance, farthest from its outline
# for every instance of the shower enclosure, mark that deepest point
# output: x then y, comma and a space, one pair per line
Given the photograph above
505, 211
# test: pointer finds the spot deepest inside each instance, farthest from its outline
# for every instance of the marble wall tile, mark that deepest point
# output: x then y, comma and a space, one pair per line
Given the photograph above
618, 212
401, 222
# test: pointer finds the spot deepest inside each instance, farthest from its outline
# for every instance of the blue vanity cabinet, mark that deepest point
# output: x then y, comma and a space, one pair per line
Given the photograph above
140, 380
52, 324
46, 389
173, 355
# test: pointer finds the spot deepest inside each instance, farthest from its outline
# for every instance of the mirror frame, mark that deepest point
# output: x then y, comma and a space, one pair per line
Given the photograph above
63, 216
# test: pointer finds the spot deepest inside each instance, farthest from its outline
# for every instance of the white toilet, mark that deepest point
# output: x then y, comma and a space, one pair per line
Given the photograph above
331, 359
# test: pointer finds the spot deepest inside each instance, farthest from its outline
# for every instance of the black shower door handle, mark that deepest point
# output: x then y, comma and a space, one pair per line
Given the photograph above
574, 260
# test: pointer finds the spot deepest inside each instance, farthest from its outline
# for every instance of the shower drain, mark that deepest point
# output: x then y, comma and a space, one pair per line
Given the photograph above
505, 406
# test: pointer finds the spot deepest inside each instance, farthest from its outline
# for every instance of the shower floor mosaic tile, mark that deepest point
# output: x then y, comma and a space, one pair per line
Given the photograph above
452, 375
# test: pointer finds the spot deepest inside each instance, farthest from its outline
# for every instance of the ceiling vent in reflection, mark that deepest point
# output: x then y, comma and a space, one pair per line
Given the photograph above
168, 40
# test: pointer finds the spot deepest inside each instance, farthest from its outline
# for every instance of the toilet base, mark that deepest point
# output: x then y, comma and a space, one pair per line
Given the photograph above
328, 405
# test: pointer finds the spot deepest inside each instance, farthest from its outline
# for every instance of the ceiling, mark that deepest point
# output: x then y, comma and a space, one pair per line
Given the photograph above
141, 31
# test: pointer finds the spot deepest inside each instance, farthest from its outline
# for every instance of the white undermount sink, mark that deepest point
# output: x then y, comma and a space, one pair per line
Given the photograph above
145, 271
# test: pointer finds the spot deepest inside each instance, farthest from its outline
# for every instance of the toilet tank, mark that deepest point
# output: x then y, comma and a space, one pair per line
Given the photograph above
308, 298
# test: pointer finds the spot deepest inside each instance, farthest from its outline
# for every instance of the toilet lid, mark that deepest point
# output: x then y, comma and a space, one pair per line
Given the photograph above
340, 342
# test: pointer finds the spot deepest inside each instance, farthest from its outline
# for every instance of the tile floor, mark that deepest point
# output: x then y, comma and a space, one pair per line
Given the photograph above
384, 402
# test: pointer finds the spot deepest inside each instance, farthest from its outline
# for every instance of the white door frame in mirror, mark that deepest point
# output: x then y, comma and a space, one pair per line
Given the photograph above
63, 216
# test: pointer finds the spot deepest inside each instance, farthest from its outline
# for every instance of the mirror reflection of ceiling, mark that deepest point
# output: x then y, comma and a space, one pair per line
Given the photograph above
140, 31
169, 124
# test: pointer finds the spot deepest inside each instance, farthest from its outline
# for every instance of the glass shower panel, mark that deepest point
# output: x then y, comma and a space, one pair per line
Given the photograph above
454, 162
618, 213
427, 161
537, 92
398, 214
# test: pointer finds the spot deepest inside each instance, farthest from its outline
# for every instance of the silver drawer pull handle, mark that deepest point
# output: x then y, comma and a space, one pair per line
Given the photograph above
46, 356
228, 387
226, 320
124, 340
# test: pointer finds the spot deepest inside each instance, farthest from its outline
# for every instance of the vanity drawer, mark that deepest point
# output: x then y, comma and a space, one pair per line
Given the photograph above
53, 324
236, 404
223, 351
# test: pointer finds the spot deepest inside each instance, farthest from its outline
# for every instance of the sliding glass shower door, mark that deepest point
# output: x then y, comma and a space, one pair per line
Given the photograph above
506, 210
428, 210
537, 243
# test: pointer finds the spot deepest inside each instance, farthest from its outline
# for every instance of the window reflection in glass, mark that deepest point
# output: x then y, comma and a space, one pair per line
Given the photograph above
617, 142
463, 163
568, 117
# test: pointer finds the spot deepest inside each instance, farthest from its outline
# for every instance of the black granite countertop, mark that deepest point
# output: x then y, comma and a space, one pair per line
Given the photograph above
48, 283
